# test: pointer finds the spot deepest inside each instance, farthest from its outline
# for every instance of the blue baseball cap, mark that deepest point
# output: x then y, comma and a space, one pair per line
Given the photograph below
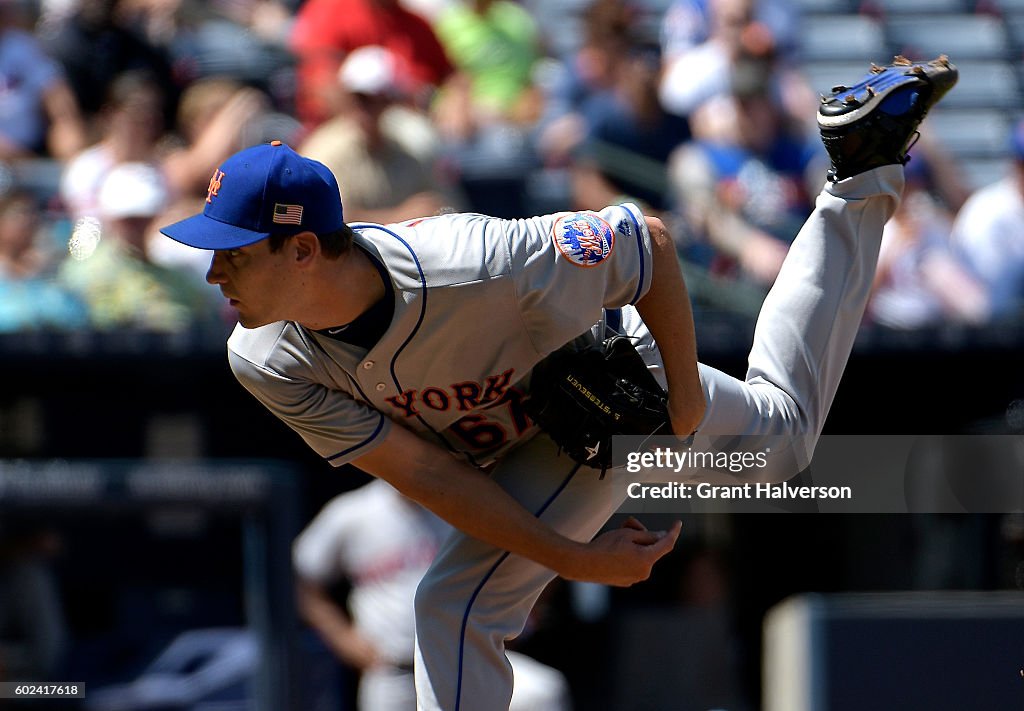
263, 190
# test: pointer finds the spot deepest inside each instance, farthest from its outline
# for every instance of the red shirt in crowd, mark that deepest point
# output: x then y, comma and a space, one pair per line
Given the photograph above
325, 31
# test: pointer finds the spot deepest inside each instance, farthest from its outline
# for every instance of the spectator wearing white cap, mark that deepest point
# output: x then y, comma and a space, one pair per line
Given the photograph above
382, 151
132, 123
109, 267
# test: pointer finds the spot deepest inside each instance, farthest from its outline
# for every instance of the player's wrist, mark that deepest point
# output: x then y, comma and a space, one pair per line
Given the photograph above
686, 409
574, 561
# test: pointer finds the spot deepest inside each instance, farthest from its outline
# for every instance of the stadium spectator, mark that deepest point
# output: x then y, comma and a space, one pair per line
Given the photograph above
29, 298
215, 118
740, 186
629, 137
494, 45
109, 266
132, 123
96, 45
39, 115
243, 40
375, 145
989, 233
692, 76
920, 281
486, 110
567, 83
687, 24
945, 176
325, 31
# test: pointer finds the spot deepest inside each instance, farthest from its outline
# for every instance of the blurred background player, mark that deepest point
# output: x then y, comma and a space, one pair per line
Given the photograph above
382, 543
33, 630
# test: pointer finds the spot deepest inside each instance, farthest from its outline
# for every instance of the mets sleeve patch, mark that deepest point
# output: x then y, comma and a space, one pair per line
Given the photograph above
583, 238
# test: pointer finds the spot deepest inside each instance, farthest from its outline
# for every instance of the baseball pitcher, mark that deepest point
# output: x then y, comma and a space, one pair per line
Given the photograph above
407, 350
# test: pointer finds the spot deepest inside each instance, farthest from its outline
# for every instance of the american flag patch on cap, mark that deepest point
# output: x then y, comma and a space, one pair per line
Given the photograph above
287, 214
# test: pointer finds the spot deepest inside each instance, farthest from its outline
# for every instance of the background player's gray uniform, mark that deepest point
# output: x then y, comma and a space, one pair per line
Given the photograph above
478, 302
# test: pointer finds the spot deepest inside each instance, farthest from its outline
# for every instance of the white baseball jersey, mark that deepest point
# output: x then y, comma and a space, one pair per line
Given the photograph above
478, 302
381, 542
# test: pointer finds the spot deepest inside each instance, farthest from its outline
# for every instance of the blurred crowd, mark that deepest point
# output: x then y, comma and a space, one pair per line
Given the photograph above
114, 115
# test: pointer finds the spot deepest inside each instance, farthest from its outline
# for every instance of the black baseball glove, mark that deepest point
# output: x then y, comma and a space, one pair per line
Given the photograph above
584, 395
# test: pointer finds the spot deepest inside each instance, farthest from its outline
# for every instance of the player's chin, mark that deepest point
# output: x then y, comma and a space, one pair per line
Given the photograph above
247, 320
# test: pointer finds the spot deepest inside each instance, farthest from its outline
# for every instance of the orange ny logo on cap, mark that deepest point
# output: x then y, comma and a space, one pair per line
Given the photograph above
211, 191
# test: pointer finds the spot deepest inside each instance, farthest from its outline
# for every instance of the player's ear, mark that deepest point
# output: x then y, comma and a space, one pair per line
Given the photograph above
306, 247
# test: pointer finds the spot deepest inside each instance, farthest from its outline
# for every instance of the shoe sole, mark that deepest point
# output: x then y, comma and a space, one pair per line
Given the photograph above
873, 89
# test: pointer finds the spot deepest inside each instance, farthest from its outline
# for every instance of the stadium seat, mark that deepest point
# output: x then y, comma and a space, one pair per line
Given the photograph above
977, 132
837, 7
1015, 27
979, 172
1007, 6
961, 36
834, 37
919, 7
986, 83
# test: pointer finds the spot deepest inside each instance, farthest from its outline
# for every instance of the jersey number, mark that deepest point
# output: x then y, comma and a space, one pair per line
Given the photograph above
480, 432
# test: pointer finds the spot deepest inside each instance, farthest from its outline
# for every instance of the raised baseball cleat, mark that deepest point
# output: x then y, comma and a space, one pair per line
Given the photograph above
874, 122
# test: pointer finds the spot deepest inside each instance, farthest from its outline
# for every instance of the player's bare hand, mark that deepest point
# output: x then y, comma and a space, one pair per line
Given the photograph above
625, 555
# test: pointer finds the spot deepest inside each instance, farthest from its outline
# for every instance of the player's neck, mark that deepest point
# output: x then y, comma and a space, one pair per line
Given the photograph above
344, 289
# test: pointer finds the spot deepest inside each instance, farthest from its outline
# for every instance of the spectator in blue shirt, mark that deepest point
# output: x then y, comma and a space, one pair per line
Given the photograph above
38, 112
